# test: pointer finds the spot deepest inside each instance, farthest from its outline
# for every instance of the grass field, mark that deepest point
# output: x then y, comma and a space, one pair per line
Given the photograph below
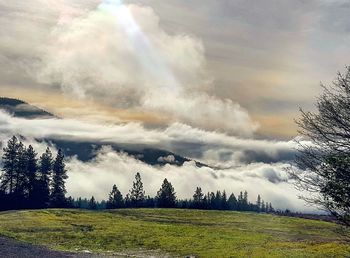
176, 233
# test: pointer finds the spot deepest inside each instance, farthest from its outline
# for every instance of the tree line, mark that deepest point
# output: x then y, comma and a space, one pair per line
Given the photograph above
29, 182
166, 198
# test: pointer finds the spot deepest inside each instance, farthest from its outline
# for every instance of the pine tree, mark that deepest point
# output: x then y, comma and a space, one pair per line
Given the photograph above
79, 203
245, 201
263, 207
31, 172
205, 202
211, 201
232, 202
137, 194
14, 180
127, 201
44, 173
58, 182
198, 198
258, 202
166, 197
150, 202
240, 201
271, 209
10, 161
92, 203
223, 201
208, 201
21, 190
217, 201
70, 202
115, 199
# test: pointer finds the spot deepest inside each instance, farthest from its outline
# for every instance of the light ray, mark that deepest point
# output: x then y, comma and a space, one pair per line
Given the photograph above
148, 56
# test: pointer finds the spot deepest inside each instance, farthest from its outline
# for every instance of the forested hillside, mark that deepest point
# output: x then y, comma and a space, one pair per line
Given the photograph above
19, 108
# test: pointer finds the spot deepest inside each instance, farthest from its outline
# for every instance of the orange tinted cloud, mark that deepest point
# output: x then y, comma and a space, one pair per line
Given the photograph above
63, 106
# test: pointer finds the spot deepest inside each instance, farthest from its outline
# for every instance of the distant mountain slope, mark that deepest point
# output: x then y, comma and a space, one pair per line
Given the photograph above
19, 108
86, 151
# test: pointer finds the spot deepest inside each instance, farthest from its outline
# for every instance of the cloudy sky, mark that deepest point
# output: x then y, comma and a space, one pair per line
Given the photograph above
216, 81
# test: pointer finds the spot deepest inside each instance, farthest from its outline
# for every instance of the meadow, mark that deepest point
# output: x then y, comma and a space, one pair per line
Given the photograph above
176, 233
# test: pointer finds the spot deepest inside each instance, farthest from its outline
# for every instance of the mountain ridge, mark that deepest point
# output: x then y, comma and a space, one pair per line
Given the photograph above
22, 109
87, 150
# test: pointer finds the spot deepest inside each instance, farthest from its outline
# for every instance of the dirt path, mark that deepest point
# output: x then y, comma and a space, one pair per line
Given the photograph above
10, 248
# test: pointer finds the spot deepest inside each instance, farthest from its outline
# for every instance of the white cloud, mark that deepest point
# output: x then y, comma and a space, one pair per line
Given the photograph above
214, 148
227, 153
97, 177
167, 159
137, 64
121, 48
261, 74
121, 55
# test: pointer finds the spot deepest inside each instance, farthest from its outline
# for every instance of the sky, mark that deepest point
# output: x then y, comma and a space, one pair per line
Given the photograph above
216, 81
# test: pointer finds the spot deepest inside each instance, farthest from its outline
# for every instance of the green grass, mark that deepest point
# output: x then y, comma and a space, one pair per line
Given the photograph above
177, 233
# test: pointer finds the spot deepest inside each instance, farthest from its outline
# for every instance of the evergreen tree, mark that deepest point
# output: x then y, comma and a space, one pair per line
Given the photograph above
92, 203
44, 173
240, 201
263, 207
184, 204
217, 201
223, 201
245, 201
10, 161
127, 201
58, 181
79, 203
258, 203
232, 202
14, 178
208, 201
198, 198
137, 194
3, 200
70, 202
102, 205
205, 202
166, 197
31, 173
22, 186
211, 201
150, 202
115, 199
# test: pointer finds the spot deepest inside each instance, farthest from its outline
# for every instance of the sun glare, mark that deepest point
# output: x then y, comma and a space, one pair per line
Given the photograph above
148, 56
